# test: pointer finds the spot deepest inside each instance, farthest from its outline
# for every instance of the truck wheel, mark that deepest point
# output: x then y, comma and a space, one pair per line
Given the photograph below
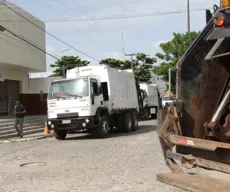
60, 134
127, 123
103, 128
134, 121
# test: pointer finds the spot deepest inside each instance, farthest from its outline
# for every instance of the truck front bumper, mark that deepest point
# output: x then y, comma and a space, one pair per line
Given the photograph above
73, 123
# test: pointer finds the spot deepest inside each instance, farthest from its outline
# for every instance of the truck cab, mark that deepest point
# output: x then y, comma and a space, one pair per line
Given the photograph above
74, 102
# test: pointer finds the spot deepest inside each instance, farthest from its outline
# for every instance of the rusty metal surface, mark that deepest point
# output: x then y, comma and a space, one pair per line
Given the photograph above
198, 162
200, 83
194, 183
170, 134
197, 143
173, 166
200, 130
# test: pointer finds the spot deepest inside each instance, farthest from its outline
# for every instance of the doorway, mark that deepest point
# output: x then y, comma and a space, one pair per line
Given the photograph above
9, 92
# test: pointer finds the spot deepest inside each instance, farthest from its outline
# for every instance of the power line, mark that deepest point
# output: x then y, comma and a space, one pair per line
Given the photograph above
5, 29
23, 47
21, 34
28, 5
77, 16
79, 30
51, 34
116, 17
90, 17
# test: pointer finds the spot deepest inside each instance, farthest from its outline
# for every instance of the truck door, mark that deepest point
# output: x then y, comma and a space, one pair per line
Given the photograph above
96, 95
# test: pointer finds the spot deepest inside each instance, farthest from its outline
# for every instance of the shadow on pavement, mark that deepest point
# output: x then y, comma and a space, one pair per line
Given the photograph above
115, 133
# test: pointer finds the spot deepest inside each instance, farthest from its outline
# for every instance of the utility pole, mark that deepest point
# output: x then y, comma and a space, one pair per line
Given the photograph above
188, 12
170, 82
131, 55
123, 47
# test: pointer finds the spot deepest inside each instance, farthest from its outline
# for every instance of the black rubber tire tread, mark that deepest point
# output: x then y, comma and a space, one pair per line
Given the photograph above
101, 132
134, 121
127, 120
60, 134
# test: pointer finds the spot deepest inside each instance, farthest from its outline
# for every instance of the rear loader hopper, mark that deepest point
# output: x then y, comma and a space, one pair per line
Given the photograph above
195, 130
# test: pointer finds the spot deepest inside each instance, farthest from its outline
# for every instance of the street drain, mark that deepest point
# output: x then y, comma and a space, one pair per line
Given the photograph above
33, 164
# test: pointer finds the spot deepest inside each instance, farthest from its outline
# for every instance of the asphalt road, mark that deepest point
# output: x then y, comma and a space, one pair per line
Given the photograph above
123, 162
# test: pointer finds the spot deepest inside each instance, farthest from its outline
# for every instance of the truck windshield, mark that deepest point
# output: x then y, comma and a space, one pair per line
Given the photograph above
69, 88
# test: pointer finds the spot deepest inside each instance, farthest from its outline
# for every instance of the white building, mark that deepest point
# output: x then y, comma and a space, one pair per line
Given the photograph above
18, 58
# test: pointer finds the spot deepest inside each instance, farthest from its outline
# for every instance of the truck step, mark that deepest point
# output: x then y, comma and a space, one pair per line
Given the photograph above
194, 183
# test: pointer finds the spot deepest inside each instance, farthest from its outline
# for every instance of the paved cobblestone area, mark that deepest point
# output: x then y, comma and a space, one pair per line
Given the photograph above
124, 162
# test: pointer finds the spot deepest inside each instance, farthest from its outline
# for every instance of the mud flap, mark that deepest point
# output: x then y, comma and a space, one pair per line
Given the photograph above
194, 183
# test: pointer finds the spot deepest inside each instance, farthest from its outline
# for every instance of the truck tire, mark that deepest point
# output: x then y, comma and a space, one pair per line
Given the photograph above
127, 123
60, 134
134, 121
103, 128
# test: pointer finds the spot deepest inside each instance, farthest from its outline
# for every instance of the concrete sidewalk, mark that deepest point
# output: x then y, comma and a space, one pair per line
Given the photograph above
32, 125
32, 137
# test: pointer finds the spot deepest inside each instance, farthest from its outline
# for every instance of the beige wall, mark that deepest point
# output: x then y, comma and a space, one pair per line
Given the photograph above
16, 53
17, 75
28, 86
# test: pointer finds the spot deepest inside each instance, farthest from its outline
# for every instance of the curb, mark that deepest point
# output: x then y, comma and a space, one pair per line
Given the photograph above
26, 139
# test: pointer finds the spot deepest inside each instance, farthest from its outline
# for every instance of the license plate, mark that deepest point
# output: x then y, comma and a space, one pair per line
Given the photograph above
66, 121
152, 110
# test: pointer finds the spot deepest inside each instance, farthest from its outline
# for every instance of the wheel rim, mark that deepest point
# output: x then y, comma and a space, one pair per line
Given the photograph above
105, 126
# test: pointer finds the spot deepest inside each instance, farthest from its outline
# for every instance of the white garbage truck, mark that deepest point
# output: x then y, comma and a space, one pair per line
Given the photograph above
151, 98
93, 99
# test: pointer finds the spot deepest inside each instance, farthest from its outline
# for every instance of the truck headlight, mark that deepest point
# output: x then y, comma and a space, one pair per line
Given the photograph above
49, 122
87, 120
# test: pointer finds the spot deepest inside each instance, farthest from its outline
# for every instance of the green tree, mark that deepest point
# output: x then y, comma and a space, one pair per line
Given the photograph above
67, 62
172, 51
142, 65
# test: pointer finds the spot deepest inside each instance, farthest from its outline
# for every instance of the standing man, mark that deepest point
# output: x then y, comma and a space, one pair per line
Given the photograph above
19, 112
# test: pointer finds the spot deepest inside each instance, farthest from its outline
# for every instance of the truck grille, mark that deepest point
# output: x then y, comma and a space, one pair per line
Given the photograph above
67, 115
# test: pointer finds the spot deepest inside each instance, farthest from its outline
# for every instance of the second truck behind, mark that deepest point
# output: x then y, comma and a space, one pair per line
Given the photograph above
151, 98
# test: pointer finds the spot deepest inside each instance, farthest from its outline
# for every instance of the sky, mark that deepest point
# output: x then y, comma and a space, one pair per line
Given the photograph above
102, 39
